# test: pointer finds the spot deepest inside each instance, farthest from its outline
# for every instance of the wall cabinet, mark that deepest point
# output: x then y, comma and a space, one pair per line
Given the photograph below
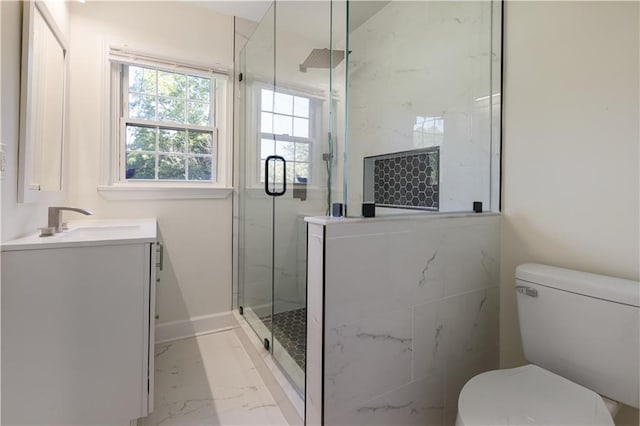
77, 326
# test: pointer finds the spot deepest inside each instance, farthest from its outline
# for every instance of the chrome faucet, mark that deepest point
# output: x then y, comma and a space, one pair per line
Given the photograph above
55, 216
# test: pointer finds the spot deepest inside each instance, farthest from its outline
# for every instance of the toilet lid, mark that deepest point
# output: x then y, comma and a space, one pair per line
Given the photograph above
529, 395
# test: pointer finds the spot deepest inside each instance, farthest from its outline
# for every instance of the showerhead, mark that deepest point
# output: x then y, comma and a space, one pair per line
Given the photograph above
321, 58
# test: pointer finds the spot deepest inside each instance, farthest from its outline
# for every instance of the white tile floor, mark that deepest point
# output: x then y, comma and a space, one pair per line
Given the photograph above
210, 380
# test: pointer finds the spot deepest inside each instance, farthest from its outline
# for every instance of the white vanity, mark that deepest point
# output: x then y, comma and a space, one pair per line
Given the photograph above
78, 312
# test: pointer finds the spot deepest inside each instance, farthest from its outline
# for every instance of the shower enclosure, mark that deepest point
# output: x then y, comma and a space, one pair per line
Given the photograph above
286, 161
391, 103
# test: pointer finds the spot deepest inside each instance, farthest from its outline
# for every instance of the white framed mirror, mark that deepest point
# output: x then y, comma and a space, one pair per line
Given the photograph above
42, 105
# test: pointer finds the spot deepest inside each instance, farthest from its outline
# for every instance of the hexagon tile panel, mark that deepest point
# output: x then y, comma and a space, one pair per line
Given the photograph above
290, 329
407, 180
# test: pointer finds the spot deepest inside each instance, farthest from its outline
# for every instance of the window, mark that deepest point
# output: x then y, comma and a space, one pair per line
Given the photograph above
168, 125
166, 133
286, 129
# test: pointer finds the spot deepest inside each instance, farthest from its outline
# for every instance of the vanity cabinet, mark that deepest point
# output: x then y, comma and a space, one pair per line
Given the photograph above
77, 325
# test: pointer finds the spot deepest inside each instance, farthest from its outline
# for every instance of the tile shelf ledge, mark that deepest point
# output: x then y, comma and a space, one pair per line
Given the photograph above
328, 220
127, 192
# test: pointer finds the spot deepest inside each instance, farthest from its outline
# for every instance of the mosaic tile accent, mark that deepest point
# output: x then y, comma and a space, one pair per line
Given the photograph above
290, 330
406, 180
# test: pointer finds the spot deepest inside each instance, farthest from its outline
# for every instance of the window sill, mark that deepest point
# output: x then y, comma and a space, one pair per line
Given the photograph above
137, 192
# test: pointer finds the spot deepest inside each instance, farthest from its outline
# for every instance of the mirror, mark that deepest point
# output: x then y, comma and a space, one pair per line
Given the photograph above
42, 103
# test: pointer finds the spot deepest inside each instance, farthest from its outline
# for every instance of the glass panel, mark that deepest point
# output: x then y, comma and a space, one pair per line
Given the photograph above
142, 107
255, 225
285, 150
267, 148
302, 152
200, 142
171, 110
142, 80
301, 172
293, 45
266, 122
171, 140
171, 84
141, 138
199, 114
266, 99
282, 124
199, 89
301, 107
300, 127
425, 116
283, 104
171, 167
200, 168
140, 166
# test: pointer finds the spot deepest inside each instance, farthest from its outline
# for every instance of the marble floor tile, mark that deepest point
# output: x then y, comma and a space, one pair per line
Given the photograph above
210, 380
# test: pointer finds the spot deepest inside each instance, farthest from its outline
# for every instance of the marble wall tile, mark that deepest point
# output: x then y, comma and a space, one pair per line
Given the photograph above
418, 403
409, 303
366, 358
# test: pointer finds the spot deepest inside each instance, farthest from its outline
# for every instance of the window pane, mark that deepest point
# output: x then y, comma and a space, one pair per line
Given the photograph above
266, 100
171, 84
200, 168
141, 138
286, 150
301, 172
140, 166
171, 167
142, 80
290, 172
301, 107
266, 148
199, 114
199, 88
170, 140
170, 109
142, 107
301, 127
200, 142
302, 152
282, 125
283, 104
277, 170
266, 122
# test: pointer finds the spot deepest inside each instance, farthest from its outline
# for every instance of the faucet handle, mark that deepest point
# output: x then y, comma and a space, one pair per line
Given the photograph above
55, 216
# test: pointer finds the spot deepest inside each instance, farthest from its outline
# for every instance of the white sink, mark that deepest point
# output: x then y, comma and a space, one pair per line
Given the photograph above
90, 233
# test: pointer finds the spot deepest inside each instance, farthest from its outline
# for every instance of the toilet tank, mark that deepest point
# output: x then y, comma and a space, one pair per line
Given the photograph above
582, 326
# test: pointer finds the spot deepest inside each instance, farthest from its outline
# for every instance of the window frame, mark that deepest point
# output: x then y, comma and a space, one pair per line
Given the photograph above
113, 182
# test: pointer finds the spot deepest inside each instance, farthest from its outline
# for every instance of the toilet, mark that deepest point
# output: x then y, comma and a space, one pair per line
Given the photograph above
580, 332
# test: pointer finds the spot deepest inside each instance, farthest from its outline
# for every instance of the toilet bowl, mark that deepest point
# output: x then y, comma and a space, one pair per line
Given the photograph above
529, 395
581, 333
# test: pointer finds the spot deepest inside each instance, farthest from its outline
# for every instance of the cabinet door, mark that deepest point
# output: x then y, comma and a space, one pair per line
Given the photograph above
73, 330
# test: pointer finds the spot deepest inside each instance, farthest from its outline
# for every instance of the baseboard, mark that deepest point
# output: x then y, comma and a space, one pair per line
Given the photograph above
195, 326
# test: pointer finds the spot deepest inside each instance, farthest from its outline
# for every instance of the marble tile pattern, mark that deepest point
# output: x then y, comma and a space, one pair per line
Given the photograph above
411, 314
210, 380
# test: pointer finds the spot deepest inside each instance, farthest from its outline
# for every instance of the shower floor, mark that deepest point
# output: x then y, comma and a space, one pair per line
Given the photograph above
290, 330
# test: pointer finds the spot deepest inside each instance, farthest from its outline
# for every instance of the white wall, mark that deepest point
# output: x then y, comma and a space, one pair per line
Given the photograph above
570, 145
197, 234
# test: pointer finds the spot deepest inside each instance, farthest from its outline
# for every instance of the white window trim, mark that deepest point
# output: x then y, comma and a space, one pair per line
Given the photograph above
111, 187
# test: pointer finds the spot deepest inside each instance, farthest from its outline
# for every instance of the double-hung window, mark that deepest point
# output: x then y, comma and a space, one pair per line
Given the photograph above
287, 129
168, 121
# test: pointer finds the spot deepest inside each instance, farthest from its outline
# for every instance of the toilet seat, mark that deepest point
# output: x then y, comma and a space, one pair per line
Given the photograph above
529, 395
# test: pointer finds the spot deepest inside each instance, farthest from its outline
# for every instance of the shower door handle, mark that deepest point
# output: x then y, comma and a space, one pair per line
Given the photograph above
266, 176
